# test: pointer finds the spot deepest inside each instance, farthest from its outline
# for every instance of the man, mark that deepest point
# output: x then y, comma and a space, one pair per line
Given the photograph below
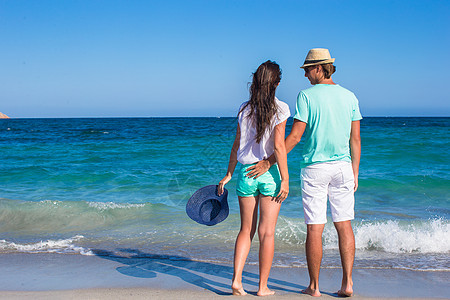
328, 115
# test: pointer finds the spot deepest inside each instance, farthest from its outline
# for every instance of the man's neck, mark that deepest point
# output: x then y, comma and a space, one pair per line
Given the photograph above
326, 81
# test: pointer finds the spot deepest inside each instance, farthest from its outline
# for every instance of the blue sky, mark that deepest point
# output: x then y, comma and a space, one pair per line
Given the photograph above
195, 58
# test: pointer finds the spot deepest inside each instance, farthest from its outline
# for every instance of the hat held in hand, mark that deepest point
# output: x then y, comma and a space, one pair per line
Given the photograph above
206, 207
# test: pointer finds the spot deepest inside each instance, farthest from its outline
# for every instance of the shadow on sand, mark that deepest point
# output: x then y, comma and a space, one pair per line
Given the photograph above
206, 275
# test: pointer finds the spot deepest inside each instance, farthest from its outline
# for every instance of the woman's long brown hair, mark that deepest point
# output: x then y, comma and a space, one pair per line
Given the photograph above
262, 97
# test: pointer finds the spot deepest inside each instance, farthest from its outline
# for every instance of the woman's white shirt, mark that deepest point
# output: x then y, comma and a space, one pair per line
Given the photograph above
251, 152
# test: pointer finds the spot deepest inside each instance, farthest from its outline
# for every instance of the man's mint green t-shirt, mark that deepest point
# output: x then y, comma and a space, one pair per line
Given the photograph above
328, 111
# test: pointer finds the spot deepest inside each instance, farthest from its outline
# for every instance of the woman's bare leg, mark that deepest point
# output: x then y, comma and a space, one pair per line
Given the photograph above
249, 216
269, 210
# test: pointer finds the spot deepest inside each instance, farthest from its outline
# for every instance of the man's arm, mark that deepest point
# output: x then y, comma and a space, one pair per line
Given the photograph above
294, 137
280, 154
355, 150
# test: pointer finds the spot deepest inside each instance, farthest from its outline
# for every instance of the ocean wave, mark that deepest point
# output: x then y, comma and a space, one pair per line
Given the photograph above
112, 205
430, 236
50, 216
168, 225
66, 246
393, 236
291, 231
94, 131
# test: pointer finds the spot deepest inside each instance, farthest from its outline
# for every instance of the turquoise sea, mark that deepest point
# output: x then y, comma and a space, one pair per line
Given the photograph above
120, 185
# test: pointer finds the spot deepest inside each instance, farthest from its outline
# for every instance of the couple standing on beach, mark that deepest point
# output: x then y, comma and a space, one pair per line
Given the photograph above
328, 117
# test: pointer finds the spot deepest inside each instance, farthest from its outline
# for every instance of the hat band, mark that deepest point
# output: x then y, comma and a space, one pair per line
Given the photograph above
315, 61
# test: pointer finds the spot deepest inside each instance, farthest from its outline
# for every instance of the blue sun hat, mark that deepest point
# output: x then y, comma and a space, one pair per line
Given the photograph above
206, 207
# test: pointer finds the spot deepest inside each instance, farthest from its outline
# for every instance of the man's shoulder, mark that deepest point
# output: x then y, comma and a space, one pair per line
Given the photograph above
309, 90
344, 90
319, 89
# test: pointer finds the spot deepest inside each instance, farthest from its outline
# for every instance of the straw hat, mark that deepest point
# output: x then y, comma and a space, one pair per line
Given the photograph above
206, 207
317, 56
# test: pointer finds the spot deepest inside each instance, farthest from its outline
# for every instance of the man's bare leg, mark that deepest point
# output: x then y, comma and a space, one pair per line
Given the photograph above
313, 257
347, 251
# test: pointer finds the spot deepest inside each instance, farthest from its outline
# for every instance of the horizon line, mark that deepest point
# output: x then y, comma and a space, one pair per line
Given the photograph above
179, 117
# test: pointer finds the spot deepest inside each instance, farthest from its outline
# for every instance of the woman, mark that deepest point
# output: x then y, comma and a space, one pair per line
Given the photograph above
260, 133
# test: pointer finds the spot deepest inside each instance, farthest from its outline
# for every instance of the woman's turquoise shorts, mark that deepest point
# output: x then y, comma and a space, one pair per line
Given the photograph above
267, 184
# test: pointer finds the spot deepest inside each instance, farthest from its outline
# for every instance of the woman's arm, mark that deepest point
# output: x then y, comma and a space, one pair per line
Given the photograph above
355, 150
232, 163
281, 156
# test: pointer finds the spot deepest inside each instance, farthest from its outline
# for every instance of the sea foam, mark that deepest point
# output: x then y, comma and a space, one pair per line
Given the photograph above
50, 246
392, 236
429, 236
112, 205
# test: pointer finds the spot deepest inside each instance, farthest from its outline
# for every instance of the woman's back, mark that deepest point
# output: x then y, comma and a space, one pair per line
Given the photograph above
249, 150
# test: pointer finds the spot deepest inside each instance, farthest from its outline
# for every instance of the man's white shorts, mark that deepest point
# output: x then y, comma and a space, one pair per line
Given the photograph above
333, 179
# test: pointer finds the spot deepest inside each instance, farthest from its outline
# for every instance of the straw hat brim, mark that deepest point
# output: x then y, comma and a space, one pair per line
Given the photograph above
318, 62
206, 207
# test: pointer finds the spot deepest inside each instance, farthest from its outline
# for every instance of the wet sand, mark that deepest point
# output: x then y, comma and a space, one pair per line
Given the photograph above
62, 276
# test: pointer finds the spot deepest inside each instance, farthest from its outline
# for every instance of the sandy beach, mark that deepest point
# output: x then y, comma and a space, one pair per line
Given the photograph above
60, 276
146, 293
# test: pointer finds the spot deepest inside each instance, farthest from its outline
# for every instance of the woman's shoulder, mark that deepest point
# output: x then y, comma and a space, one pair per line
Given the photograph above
243, 111
243, 105
283, 106
283, 111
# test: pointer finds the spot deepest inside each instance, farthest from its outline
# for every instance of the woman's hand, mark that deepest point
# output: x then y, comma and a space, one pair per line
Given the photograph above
222, 184
284, 191
258, 169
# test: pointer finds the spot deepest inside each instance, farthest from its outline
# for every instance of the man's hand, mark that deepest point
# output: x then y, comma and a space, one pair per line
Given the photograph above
356, 182
258, 169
